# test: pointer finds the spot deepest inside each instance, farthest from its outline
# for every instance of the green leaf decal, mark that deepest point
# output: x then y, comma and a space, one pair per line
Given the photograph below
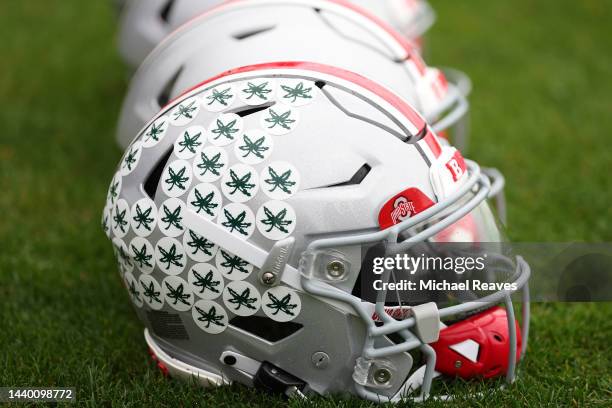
177, 294
130, 158
227, 130
150, 293
210, 317
172, 218
199, 243
240, 183
220, 97
259, 91
242, 299
236, 223
142, 218
280, 181
256, 148
298, 92
204, 203
141, 257
133, 291
282, 120
124, 257
113, 190
233, 262
281, 305
176, 179
105, 225
185, 111
170, 257
119, 218
210, 164
154, 132
276, 220
206, 282
189, 142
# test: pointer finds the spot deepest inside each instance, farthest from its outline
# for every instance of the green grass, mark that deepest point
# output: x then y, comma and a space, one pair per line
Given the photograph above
541, 112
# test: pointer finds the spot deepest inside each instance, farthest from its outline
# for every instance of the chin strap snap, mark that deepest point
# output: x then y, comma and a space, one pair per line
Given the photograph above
427, 322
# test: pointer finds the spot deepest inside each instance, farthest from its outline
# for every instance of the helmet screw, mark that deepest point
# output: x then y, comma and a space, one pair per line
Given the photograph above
268, 278
382, 376
458, 364
320, 359
335, 269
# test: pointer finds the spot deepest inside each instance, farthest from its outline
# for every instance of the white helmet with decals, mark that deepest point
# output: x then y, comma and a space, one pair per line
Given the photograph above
145, 23
243, 218
248, 32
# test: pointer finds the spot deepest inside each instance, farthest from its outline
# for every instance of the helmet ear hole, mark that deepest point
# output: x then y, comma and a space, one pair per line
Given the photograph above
498, 338
265, 328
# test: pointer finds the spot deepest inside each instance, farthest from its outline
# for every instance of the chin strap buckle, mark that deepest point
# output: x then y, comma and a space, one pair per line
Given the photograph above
265, 376
277, 381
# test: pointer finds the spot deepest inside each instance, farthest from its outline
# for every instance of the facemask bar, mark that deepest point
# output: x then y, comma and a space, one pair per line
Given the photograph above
422, 21
401, 327
451, 112
459, 79
496, 193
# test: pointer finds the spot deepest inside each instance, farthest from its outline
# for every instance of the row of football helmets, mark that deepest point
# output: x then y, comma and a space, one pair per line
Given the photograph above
272, 149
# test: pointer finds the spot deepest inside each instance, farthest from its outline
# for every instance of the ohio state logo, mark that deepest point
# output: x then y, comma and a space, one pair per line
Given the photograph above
402, 206
403, 209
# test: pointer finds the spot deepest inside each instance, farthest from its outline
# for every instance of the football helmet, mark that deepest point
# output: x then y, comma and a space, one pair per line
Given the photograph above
244, 215
145, 23
333, 32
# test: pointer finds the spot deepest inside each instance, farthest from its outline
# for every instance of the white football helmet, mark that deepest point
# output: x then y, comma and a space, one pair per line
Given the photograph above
248, 32
144, 23
246, 212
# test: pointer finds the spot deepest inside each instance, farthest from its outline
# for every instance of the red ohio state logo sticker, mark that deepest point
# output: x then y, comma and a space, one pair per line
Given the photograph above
403, 206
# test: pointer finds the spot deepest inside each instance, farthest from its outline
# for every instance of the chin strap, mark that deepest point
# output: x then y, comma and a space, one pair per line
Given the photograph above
477, 347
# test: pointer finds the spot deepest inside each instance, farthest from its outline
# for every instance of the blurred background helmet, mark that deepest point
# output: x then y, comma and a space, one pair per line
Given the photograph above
144, 23
256, 31
246, 213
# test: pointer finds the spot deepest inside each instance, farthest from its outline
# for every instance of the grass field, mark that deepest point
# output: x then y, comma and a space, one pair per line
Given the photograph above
541, 112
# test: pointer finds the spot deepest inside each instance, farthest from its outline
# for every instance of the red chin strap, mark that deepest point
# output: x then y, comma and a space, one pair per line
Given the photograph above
476, 347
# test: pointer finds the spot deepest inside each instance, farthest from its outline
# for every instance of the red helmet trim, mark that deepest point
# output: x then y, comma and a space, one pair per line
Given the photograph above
394, 100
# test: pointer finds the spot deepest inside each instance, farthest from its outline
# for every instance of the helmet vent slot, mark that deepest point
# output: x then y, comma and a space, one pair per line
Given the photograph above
252, 33
150, 185
164, 96
164, 13
265, 328
252, 110
357, 178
